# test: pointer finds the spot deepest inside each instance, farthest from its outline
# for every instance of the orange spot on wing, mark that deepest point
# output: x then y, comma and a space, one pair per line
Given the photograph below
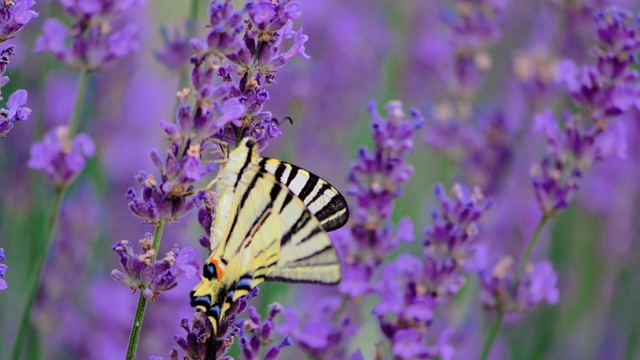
219, 268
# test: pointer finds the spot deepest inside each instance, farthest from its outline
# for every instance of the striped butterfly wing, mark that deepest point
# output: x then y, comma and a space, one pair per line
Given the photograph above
267, 227
323, 200
281, 239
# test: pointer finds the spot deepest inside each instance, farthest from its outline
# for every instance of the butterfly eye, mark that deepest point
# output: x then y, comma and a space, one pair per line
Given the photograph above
209, 271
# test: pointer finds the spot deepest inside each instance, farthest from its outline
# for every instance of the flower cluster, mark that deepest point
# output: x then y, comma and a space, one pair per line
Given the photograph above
480, 143
176, 51
172, 196
233, 66
3, 270
153, 278
15, 111
322, 333
412, 289
475, 25
256, 334
97, 37
537, 284
376, 180
14, 15
59, 157
197, 342
601, 93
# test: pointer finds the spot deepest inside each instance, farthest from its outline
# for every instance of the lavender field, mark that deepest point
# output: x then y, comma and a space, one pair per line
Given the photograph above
488, 150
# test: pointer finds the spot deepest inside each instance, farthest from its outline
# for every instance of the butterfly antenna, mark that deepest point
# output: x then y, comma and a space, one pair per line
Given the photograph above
280, 122
211, 183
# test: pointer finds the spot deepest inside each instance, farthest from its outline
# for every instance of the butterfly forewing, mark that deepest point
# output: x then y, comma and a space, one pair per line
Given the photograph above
321, 199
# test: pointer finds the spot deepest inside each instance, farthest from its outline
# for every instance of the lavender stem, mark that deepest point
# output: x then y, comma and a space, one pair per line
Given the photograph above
55, 212
497, 322
134, 336
77, 108
32, 290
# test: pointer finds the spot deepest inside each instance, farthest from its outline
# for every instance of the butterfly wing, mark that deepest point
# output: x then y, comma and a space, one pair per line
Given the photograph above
277, 237
323, 200
270, 233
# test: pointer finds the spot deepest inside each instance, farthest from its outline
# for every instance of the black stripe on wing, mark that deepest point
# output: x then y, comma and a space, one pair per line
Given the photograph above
323, 200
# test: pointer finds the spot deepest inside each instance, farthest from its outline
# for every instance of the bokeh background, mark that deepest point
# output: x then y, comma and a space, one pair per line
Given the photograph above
361, 51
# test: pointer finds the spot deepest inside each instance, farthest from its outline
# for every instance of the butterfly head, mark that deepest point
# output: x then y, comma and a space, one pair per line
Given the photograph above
248, 143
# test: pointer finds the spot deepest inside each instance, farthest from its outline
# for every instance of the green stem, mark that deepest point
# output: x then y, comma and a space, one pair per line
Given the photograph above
33, 288
497, 322
183, 80
492, 334
77, 108
193, 16
134, 336
527, 255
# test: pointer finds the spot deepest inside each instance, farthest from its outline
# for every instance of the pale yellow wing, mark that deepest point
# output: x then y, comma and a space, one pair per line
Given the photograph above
265, 231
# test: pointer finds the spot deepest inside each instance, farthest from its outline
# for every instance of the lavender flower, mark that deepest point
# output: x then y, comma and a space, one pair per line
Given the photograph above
15, 111
244, 57
3, 270
412, 289
255, 334
321, 332
197, 341
194, 344
538, 284
14, 15
171, 197
176, 50
140, 273
601, 93
61, 158
95, 38
376, 181
450, 242
475, 25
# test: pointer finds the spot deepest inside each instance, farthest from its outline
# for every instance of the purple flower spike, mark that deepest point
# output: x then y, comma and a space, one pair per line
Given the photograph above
15, 111
153, 278
195, 343
412, 289
316, 331
95, 39
3, 271
256, 334
171, 196
537, 284
61, 158
176, 51
450, 242
14, 15
376, 180
246, 47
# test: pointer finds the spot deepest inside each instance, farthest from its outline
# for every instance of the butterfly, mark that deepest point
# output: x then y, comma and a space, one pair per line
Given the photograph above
270, 224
